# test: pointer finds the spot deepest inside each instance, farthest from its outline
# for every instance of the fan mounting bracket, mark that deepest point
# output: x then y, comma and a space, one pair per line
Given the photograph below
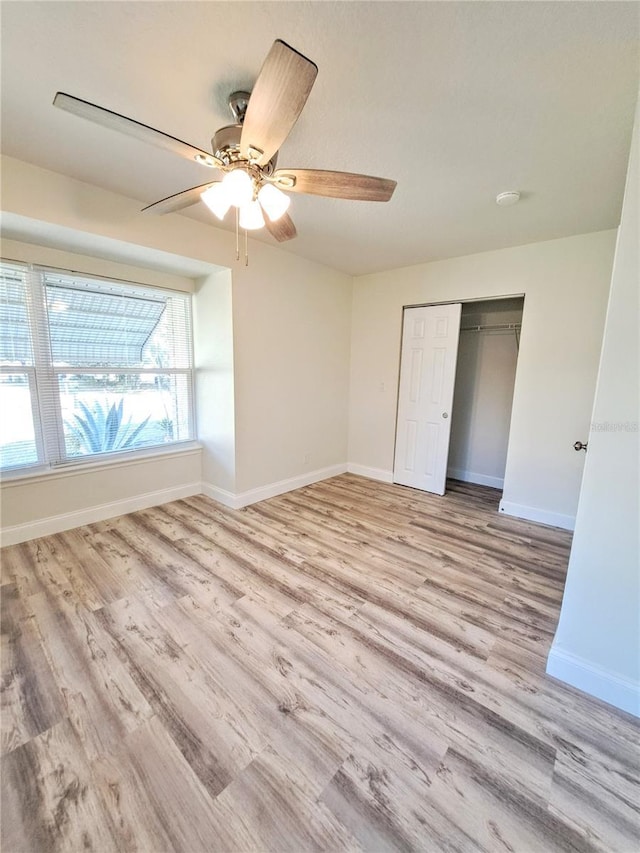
238, 103
285, 182
254, 154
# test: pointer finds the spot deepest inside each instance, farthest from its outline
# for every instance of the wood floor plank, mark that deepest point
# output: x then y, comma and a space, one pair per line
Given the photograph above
113, 550
389, 809
64, 551
31, 699
351, 666
488, 809
49, 798
293, 820
613, 813
31, 567
439, 570
181, 574
187, 700
107, 582
100, 695
262, 694
448, 709
333, 708
156, 796
290, 570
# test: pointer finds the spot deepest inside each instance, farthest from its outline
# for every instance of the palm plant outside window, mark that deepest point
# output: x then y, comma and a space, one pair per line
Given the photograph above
89, 367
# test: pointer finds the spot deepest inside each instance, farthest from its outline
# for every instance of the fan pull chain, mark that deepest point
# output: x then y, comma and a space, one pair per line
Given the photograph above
237, 234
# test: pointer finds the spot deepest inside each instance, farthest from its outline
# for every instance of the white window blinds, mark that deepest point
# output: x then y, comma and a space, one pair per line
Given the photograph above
90, 366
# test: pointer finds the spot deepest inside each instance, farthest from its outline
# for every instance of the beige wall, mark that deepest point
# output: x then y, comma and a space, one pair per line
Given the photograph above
214, 379
39, 505
565, 284
597, 644
31, 253
291, 327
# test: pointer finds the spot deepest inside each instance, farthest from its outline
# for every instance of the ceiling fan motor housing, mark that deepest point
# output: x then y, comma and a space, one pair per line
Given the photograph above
226, 143
226, 147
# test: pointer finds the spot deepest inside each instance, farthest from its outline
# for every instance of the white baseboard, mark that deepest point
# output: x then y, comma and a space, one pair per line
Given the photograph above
67, 521
101, 512
612, 688
541, 516
472, 477
222, 496
262, 493
371, 473
456, 473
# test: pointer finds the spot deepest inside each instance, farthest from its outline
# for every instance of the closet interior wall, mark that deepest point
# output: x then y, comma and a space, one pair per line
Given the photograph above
485, 378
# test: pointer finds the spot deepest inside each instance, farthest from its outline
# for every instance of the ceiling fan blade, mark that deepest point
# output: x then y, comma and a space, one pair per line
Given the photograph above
282, 229
277, 99
176, 202
143, 132
334, 184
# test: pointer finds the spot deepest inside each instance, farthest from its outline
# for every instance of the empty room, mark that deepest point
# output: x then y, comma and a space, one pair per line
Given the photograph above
319, 426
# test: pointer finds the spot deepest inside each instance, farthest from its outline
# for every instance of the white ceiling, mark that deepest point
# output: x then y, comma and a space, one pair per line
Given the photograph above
455, 101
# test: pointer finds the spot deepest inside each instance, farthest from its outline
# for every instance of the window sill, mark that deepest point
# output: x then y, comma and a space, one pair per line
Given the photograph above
120, 460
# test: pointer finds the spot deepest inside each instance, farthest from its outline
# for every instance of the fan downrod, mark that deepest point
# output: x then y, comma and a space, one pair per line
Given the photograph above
238, 103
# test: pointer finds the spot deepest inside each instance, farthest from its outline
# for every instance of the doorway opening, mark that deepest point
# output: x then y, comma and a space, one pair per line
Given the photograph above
483, 392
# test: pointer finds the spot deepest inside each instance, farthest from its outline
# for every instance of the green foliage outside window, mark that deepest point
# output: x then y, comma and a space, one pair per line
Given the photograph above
101, 430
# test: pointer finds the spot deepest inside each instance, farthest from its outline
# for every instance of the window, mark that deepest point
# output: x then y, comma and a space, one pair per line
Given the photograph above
89, 367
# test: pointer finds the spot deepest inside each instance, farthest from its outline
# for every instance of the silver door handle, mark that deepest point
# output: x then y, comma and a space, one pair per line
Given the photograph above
445, 415
580, 446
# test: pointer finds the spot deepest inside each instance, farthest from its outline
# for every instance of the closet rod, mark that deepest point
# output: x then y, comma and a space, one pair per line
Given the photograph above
496, 327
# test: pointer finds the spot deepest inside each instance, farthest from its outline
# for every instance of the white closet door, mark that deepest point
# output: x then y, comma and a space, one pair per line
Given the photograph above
427, 375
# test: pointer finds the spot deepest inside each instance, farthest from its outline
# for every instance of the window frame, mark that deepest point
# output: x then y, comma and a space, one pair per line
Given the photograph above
44, 385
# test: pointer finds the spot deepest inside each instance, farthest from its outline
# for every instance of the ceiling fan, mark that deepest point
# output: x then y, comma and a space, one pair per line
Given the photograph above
247, 151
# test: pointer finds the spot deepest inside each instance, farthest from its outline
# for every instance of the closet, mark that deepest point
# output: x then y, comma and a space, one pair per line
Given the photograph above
483, 390
457, 376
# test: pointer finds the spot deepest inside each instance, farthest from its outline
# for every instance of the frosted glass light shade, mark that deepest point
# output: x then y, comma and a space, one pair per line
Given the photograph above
238, 187
251, 216
274, 202
216, 200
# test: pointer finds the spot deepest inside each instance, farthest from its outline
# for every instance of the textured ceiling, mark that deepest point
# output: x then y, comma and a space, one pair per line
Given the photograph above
455, 101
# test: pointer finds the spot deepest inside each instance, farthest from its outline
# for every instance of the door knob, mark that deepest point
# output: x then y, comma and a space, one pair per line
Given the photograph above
580, 446
445, 415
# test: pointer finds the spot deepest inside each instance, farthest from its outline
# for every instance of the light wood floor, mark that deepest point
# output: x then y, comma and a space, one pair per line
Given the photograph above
349, 666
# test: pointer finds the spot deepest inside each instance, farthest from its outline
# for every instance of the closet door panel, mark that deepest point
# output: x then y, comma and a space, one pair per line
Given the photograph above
427, 375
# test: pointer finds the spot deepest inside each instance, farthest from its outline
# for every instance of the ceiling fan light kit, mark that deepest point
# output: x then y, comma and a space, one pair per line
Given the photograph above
274, 202
247, 151
216, 200
238, 187
251, 217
